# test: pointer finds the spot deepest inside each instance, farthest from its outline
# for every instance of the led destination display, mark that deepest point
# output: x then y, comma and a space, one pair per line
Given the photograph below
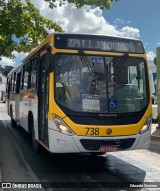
99, 43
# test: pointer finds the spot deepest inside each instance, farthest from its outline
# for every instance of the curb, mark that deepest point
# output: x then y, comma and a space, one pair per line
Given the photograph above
155, 138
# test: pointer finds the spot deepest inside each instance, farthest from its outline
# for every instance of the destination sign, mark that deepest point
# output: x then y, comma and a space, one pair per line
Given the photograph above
98, 43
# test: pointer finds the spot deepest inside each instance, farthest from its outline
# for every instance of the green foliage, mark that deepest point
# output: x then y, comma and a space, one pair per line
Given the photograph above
24, 22
155, 61
6, 69
79, 3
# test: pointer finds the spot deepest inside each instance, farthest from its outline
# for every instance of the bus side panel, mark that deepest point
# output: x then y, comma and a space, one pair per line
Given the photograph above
28, 103
12, 105
23, 114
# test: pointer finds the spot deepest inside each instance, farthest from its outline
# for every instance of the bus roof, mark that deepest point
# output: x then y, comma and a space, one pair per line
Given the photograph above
63, 43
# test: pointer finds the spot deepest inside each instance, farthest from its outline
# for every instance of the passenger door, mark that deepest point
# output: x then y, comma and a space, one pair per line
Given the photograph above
43, 80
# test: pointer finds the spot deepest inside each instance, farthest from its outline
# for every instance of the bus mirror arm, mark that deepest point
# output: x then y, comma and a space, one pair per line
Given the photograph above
49, 63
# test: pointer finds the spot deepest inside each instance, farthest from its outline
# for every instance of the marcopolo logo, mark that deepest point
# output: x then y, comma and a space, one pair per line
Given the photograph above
109, 131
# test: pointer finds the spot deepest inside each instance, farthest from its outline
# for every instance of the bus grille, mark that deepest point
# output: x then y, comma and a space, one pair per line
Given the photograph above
94, 145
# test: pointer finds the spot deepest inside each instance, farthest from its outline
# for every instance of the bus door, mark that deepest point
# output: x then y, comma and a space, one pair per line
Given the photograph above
17, 95
43, 80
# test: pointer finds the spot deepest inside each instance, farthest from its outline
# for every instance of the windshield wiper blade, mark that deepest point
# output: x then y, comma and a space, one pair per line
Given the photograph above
122, 63
86, 63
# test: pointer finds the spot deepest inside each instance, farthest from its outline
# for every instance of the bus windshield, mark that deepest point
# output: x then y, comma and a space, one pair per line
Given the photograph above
101, 84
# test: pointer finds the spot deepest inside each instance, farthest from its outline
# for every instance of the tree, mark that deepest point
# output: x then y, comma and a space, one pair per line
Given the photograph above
5, 70
22, 26
79, 3
23, 23
155, 61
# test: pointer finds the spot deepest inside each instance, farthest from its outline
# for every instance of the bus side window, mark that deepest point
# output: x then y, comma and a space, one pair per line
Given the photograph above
0, 78
22, 77
9, 87
18, 82
26, 74
33, 73
14, 82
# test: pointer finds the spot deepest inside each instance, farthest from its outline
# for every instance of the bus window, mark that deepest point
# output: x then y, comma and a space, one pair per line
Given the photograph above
0, 78
18, 82
33, 74
14, 82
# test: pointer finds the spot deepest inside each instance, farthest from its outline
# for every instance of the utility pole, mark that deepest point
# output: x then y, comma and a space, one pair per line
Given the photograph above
158, 83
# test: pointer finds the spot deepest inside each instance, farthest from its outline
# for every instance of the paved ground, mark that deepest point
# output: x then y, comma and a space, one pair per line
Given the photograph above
155, 136
155, 132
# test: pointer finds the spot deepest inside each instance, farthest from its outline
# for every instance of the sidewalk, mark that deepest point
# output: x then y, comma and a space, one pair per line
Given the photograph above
155, 132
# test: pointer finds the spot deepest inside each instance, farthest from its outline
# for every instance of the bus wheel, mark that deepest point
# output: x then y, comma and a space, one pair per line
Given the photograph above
35, 143
13, 122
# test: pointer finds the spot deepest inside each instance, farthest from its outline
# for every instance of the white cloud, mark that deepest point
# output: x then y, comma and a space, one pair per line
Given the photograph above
158, 43
13, 62
6, 61
19, 57
84, 20
130, 32
151, 55
121, 21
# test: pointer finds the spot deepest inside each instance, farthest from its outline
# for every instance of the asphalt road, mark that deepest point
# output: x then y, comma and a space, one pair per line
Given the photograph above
19, 163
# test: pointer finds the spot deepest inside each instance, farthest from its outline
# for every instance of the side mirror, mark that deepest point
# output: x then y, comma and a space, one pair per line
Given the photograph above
49, 62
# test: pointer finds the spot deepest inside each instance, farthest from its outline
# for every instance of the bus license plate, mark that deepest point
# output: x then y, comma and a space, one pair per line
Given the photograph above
110, 148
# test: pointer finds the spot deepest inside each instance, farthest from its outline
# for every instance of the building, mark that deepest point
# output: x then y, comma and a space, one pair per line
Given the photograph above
153, 77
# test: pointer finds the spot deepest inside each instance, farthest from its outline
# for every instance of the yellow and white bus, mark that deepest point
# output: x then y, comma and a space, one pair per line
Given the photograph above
81, 93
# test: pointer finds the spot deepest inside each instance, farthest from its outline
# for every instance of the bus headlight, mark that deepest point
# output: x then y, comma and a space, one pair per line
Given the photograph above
147, 125
61, 125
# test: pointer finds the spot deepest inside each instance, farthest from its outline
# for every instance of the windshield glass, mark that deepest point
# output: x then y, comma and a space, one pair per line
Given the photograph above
100, 84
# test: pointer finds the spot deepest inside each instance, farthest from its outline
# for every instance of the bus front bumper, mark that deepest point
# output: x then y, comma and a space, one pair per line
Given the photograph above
62, 143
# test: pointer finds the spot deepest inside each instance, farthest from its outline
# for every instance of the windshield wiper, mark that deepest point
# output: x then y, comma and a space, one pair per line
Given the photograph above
86, 63
121, 64
91, 71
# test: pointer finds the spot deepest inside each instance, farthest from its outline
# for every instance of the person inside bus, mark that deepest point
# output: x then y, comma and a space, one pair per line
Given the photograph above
63, 93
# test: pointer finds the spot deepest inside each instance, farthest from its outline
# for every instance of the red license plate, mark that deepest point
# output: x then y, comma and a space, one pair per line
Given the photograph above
110, 148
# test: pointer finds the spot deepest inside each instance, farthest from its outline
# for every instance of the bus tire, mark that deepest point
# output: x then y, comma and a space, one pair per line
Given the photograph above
35, 143
13, 122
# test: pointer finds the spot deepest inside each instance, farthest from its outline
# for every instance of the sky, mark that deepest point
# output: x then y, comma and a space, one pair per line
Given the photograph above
127, 18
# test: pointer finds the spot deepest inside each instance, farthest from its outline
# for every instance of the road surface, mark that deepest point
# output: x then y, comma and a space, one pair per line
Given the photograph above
19, 163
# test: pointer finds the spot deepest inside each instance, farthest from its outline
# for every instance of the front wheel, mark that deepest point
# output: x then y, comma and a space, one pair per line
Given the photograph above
35, 143
13, 122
